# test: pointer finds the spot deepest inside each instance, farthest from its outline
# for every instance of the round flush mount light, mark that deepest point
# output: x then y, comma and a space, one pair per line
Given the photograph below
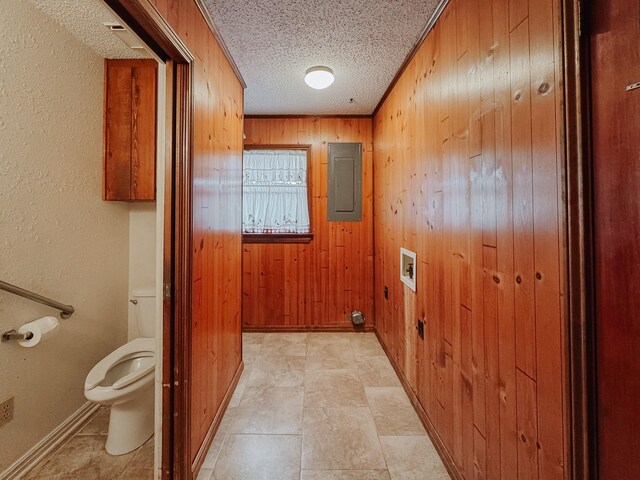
319, 77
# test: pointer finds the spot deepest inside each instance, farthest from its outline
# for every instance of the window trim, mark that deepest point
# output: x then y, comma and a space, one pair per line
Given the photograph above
283, 237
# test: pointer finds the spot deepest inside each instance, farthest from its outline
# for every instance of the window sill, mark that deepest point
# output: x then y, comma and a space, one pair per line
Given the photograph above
277, 237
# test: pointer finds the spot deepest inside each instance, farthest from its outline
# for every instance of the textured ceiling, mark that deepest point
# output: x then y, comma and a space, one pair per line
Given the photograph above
274, 42
85, 20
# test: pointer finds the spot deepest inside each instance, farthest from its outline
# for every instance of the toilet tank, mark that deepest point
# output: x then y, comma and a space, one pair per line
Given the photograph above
145, 305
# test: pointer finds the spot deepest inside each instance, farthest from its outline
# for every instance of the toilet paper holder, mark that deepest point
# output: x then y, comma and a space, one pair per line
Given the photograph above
15, 335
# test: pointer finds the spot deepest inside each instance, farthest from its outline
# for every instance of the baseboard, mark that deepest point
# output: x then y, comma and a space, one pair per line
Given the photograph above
51, 442
213, 428
305, 328
442, 450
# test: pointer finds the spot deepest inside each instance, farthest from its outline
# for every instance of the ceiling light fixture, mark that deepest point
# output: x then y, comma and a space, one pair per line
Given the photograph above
319, 77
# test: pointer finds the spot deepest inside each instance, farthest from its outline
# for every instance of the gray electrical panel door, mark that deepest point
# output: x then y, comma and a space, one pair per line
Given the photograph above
344, 189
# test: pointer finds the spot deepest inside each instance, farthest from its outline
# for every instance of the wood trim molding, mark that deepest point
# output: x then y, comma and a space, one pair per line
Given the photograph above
166, 460
143, 18
305, 329
278, 146
581, 389
428, 27
213, 428
446, 457
302, 115
182, 271
277, 237
216, 33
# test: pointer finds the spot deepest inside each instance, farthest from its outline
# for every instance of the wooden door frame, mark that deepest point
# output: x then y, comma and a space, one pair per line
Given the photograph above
143, 18
581, 360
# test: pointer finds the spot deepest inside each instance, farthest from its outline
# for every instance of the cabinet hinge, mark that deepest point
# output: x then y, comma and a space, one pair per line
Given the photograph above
166, 291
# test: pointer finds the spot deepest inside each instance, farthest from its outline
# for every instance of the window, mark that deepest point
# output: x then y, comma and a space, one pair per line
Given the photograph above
276, 195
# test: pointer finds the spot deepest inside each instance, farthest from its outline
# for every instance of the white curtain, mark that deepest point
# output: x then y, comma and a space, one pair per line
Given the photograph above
275, 191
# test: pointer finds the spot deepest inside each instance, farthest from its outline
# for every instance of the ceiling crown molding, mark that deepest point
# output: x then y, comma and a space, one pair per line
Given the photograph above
216, 33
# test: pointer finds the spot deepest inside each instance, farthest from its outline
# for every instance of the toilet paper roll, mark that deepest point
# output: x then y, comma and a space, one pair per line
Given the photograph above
42, 329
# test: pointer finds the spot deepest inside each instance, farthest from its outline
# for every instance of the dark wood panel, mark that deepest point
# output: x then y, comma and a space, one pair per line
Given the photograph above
130, 124
467, 172
314, 285
216, 171
143, 131
615, 61
117, 132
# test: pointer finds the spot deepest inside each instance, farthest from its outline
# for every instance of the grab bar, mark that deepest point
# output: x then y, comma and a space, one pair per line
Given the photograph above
65, 310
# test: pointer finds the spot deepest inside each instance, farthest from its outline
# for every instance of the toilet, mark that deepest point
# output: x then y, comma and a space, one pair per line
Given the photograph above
124, 380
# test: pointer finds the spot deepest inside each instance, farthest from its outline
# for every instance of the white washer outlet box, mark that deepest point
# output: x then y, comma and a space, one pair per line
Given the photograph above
408, 268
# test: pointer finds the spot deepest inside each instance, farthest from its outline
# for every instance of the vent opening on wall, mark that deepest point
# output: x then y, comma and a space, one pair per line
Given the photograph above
126, 36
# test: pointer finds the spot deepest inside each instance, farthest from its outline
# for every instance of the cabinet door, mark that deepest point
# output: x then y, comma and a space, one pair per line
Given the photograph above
130, 130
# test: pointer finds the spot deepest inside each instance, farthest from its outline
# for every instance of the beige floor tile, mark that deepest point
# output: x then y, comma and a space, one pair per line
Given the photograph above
317, 341
134, 473
327, 356
337, 388
205, 474
377, 372
143, 457
259, 457
273, 371
214, 451
218, 440
252, 338
344, 475
392, 411
285, 344
251, 349
269, 410
98, 425
83, 457
249, 359
366, 345
340, 438
412, 458
242, 383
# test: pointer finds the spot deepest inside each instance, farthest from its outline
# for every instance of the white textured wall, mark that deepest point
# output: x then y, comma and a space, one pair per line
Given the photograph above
142, 255
57, 236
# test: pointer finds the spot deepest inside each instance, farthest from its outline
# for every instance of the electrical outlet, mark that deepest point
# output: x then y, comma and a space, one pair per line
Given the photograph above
6, 411
420, 328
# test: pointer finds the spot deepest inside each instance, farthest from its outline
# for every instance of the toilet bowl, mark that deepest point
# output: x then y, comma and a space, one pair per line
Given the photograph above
124, 380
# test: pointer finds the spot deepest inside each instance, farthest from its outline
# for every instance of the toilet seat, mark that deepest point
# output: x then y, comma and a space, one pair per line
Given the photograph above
137, 348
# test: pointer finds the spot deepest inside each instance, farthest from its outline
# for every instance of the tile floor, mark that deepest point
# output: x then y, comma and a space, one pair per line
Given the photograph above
317, 406
320, 406
83, 457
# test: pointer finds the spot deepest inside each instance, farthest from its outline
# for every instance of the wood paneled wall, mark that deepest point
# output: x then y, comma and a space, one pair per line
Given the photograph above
314, 285
217, 216
468, 173
615, 63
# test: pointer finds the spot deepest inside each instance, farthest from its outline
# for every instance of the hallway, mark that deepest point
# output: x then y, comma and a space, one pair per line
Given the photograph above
319, 406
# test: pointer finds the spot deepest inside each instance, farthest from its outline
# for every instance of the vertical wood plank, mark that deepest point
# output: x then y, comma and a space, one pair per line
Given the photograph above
527, 427
117, 174
143, 130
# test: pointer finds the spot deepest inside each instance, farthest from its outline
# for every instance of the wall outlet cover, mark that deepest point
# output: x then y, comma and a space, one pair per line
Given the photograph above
6, 411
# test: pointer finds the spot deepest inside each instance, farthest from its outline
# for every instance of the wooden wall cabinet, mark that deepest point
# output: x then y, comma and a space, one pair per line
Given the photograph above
130, 95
